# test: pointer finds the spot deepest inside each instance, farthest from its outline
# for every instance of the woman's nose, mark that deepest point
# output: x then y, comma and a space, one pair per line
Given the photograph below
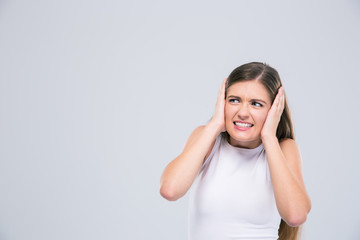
243, 111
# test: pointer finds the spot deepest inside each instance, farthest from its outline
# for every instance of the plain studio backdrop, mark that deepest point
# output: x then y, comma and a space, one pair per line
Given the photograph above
97, 97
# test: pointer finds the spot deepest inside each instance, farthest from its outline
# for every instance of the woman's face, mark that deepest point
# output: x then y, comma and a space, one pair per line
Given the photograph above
246, 108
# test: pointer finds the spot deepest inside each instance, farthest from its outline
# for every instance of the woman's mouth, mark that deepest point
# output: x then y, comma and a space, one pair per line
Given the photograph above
243, 126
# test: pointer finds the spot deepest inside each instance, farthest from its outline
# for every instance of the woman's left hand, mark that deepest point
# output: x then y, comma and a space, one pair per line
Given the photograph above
274, 115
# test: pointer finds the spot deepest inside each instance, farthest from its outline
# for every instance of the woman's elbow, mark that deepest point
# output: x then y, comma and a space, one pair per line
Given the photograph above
296, 220
168, 193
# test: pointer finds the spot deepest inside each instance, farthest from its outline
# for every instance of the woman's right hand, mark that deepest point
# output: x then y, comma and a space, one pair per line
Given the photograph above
218, 120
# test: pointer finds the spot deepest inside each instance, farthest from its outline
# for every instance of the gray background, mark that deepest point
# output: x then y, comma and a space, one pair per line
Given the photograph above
97, 97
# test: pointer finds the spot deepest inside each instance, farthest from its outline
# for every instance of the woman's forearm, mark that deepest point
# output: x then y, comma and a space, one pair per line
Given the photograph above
180, 173
291, 199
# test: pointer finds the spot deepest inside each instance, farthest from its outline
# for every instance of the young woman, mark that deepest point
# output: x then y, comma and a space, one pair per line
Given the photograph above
245, 164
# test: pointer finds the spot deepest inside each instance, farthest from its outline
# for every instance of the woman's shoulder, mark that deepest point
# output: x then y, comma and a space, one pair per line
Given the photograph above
290, 149
287, 142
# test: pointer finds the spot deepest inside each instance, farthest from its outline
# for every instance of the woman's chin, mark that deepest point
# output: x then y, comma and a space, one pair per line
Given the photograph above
242, 138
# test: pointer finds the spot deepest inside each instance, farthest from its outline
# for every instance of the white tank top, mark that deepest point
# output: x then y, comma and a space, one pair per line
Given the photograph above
232, 197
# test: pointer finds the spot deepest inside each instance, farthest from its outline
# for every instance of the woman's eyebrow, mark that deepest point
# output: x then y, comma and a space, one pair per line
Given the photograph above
254, 99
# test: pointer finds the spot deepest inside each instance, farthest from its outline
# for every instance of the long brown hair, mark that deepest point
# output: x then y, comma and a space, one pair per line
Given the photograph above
270, 78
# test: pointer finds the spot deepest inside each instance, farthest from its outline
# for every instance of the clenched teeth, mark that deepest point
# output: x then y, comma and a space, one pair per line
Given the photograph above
243, 124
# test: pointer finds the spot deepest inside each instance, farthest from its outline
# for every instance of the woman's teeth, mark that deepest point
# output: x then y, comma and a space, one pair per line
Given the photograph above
244, 125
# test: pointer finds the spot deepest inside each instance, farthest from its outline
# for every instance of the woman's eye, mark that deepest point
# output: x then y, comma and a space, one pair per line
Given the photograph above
233, 100
257, 104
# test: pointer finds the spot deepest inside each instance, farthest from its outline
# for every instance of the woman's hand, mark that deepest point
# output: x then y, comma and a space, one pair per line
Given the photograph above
218, 120
274, 115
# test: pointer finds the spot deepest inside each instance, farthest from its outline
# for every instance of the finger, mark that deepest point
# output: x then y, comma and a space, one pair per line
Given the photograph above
283, 101
276, 100
222, 86
279, 97
222, 89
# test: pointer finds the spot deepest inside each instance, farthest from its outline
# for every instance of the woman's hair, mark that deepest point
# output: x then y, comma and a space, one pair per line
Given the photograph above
270, 79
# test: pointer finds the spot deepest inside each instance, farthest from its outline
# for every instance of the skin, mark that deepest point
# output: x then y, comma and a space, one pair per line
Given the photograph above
241, 106
283, 157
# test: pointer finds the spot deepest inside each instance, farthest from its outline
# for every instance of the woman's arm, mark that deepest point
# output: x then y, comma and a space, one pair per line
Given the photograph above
284, 161
180, 173
285, 165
